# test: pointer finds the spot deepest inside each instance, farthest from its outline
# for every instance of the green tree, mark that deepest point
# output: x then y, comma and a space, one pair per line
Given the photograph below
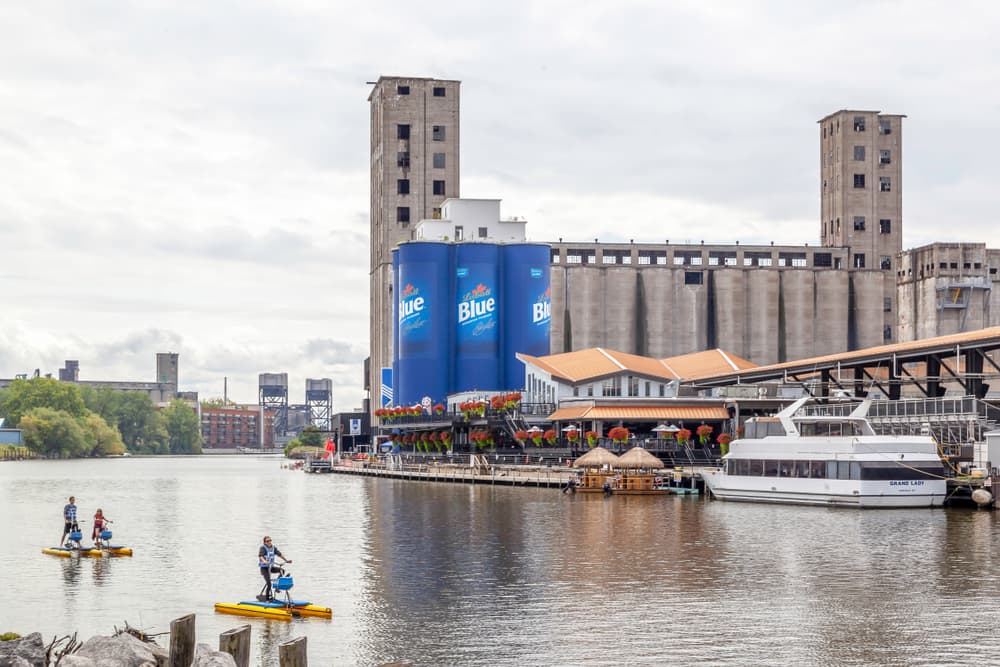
102, 439
216, 403
103, 401
183, 428
24, 395
136, 421
311, 437
53, 433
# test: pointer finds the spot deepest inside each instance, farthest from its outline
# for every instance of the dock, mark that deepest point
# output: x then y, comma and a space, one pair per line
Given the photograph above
477, 470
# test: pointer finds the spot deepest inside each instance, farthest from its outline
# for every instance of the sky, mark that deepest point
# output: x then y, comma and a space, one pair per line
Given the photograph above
192, 177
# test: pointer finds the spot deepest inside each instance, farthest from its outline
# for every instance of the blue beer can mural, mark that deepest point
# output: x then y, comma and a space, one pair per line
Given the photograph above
478, 302
388, 399
422, 360
527, 308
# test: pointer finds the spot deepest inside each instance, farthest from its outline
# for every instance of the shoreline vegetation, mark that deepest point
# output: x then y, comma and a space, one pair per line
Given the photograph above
63, 420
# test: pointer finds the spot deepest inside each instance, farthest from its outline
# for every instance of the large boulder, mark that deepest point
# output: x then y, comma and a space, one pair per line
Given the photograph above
74, 660
25, 651
123, 650
206, 656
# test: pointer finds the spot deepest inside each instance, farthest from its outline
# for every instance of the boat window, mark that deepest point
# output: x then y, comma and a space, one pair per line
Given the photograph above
831, 470
756, 468
843, 469
742, 466
802, 468
855, 471
889, 470
786, 468
771, 468
817, 469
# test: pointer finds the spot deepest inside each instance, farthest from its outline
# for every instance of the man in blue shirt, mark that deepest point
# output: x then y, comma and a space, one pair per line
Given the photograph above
69, 518
265, 559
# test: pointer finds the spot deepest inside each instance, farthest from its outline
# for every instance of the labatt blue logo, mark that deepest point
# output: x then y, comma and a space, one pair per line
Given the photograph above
477, 304
541, 309
411, 304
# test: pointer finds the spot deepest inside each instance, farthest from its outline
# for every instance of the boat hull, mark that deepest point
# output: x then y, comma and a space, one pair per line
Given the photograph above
838, 494
92, 553
273, 609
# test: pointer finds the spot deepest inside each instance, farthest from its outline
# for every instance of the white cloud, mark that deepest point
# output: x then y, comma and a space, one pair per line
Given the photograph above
194, 178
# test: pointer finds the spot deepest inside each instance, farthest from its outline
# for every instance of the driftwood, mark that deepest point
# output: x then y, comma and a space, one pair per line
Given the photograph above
61, 647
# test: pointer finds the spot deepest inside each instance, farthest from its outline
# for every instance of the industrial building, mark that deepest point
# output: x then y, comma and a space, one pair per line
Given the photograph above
414, 168
769, 304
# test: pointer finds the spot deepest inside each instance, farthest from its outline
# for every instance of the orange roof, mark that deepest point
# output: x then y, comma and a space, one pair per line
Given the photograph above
707, 363
598, 362
652, 412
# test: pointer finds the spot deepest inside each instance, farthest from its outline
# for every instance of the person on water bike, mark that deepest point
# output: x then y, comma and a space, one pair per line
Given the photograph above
100, 524
265, 560
69, 518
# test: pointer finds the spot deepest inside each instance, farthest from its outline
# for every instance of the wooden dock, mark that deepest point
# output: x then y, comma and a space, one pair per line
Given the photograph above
477, 471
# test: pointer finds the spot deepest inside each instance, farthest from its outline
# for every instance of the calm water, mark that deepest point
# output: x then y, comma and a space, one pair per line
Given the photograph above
457, 575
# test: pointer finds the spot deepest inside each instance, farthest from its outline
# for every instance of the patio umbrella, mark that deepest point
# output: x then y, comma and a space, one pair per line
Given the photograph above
663, 428
637, 457
595, 458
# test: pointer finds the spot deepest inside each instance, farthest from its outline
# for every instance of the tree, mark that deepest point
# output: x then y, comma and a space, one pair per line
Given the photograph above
53, 432
216, 403
311, 437
101, 438
183, 428
24, 395
136, 421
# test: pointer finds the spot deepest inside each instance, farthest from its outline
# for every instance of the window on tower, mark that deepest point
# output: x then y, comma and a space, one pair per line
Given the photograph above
402, 90
437, 133
859, 223
884, 184
859, 153
439, 160
859, 260
884, 126
403, 159
885, 262
402, 131
438, 187
403, 215
859, 123
439, 91
403, 186
859, 181
885, 226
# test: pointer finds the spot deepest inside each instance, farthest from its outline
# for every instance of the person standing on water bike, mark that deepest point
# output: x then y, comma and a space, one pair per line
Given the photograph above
265, 560
69, 518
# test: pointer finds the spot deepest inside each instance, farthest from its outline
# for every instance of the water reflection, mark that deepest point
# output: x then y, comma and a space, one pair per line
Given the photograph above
481, 575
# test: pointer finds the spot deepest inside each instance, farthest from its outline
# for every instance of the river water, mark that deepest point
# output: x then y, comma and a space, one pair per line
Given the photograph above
442, 574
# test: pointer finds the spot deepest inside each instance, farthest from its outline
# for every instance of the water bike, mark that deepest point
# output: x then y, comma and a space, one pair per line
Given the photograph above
102, 546
280, 606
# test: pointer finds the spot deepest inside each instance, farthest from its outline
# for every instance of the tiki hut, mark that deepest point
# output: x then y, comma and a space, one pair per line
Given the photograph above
638, 458
597, 457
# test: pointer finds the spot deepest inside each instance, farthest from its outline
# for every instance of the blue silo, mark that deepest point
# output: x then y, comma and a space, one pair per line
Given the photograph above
477, 315
527, 307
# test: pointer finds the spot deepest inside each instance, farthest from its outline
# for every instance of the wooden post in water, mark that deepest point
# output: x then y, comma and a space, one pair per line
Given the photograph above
292, 653
182, 641
236, 642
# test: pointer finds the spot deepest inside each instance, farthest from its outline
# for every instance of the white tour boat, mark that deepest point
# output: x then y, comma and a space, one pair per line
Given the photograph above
828, 460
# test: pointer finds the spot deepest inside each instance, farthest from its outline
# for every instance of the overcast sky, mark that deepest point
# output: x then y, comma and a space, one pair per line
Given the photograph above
192, 177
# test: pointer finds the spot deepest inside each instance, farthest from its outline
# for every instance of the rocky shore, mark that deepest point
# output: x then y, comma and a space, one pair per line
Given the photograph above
120, 650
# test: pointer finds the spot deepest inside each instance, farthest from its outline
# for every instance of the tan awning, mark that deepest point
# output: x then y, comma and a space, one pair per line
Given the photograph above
595, 458
641, 412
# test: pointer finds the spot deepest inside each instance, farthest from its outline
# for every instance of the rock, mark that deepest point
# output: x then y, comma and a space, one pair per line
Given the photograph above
123, 650
26, 651
206, 656
74, 660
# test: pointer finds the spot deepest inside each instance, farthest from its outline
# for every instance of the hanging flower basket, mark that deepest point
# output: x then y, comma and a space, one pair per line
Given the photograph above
573, 436
619, 434
439, 409
724, 440
683, 436
550, 437
592, 438
704, 433
521, 437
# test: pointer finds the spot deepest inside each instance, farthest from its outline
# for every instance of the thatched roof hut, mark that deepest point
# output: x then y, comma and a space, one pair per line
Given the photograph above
637, 457
595, 458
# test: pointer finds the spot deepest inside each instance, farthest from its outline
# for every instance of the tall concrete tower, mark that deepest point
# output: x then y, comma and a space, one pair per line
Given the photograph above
861, 193
414, 167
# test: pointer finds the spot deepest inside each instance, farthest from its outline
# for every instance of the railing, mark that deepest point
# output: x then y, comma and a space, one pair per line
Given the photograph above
537, 410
